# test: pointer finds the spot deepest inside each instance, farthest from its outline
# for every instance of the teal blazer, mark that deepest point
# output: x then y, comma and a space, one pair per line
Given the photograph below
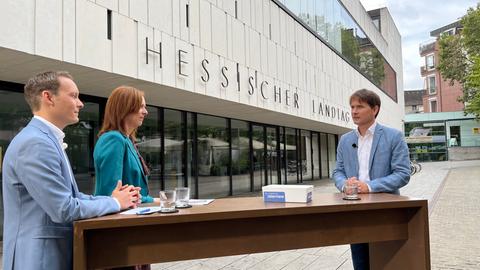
116, 159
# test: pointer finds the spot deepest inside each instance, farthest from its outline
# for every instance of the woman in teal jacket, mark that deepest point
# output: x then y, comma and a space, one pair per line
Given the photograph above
115, 155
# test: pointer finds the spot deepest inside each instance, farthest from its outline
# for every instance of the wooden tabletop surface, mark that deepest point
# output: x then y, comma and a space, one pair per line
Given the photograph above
249, 207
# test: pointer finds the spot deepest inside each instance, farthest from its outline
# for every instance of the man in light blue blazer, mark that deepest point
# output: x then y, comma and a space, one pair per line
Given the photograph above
373, 156
40, 196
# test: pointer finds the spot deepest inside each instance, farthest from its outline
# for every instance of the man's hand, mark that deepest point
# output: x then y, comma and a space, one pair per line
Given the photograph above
362, 186
128, 196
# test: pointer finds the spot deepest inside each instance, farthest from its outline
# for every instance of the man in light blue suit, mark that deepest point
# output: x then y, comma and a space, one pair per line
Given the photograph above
373, 156
40, 196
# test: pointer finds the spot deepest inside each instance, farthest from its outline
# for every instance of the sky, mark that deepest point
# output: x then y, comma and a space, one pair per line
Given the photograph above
415, 19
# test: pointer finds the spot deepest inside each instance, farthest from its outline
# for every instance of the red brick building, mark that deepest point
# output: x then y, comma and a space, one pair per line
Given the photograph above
439, 95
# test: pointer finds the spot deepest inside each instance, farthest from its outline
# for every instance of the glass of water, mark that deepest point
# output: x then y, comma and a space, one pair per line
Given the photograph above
350, 191
167, 201
183, 196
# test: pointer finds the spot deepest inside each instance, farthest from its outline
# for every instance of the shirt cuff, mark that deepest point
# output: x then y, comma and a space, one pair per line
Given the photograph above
369, 189
118, 203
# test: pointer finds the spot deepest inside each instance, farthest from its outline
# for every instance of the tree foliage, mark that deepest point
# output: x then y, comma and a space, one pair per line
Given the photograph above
460, 59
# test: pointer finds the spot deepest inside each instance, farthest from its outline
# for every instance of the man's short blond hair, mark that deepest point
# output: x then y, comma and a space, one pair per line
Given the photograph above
43, 81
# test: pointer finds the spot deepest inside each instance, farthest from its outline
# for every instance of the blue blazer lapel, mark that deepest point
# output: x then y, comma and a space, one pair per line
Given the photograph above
44, 128
376, 138
355, 154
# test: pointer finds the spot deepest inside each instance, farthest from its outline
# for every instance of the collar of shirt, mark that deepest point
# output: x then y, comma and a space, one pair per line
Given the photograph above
59, 134
370, 130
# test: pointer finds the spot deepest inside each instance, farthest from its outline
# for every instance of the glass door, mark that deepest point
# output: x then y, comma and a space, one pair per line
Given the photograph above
272, 157
258, 145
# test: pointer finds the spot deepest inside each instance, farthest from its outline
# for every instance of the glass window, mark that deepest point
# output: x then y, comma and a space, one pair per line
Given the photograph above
332, 153
272, 163
191, 175
426, 141
149, 146
329, 21
240, 157
324, 155
213, 157
432, 87
173, 148
258, 157
283, 156
310, 12
315, 156
433, 106
430, 61
320, 18
291, 156
306, 155
81, 139
350, 46
336, 27
14, 115
293, 6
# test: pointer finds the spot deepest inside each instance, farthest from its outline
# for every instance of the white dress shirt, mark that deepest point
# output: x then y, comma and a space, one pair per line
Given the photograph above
363, 153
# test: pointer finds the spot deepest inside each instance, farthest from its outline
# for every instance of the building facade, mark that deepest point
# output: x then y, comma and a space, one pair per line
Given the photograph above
440, 95
241, 93
442, 136
413, 101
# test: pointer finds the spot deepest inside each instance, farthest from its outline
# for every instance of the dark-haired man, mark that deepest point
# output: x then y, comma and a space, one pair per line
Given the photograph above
40, 196
373, 156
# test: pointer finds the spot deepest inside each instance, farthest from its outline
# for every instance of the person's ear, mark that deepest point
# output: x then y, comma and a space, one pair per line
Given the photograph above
376, 109
47, 97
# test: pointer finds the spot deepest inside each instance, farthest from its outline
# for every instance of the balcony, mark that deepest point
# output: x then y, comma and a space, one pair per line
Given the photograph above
424, 70
428, 46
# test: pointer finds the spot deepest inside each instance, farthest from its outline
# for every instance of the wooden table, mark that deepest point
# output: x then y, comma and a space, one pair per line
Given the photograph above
395, 226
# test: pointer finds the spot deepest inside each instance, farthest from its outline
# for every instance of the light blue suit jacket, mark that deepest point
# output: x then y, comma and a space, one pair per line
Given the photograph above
41, 202
389, 164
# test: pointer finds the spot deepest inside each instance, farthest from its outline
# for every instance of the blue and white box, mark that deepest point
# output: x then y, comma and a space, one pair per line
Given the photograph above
287, 193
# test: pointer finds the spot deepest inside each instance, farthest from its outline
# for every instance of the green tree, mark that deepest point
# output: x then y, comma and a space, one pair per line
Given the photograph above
460, 59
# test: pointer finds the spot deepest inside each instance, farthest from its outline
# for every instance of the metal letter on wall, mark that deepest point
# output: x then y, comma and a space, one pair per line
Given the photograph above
180, 62
153, 51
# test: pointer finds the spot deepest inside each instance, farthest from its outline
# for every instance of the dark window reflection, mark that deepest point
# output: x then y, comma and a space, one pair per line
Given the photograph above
291, 157
306, 155
258, 157
240, 157
315, 157
332, 153
149, 144
213, 152
324, 155
271, 164
426, 141
14, 116
191, 118
174, 142
332, 22
81, 139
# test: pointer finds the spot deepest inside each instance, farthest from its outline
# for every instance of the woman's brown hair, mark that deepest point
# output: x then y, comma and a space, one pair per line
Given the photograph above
121, 102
